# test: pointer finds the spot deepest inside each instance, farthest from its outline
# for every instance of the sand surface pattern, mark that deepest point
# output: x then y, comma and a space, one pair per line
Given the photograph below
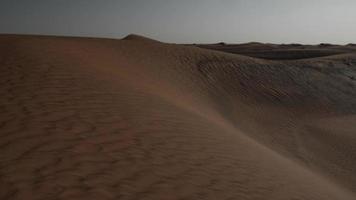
84, 118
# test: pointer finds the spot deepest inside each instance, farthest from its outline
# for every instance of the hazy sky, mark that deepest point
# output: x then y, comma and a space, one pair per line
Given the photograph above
186, 21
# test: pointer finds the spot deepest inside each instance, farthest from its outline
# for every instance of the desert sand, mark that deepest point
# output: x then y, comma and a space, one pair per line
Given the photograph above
86, 118
283, 51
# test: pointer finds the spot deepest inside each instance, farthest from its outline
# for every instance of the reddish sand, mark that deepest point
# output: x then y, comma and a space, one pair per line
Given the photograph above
85, 118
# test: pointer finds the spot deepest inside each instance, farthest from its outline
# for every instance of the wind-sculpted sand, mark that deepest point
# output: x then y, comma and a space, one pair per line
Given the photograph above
130, 119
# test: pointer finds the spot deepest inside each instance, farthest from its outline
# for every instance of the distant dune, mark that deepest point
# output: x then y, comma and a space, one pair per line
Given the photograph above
283, 51
86, 118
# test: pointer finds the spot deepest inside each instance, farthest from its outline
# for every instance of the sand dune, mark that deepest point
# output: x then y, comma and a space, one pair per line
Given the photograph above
85, 118
283, 51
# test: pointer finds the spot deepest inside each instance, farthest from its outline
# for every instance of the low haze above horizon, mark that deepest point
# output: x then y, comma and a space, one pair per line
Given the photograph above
186, 21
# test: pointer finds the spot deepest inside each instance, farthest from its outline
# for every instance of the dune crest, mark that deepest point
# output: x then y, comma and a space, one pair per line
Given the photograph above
139, 119
139, 38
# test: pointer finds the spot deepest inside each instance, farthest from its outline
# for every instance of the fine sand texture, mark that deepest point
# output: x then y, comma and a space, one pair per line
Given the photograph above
132, 119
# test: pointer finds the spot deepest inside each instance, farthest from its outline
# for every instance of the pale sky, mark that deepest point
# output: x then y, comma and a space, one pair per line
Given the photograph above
186, 21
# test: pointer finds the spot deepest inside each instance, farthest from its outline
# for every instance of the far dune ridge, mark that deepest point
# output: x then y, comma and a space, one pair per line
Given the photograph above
87, 118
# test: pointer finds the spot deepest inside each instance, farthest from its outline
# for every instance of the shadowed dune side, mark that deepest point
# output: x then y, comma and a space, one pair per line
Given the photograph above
281, 104
137, 119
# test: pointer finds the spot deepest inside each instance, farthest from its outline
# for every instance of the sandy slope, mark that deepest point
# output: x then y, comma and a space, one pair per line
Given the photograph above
138, 119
